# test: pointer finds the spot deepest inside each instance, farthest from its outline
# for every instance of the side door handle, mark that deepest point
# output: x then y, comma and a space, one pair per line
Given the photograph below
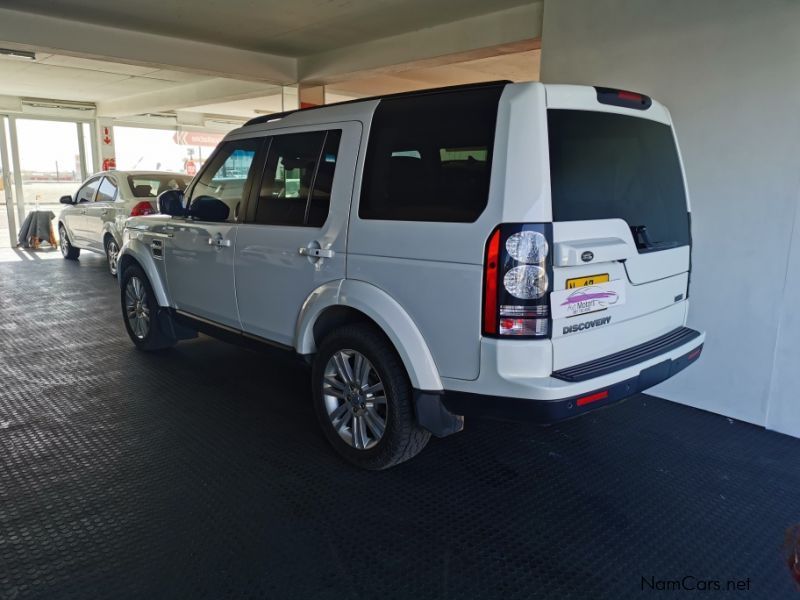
316, 252
219, 241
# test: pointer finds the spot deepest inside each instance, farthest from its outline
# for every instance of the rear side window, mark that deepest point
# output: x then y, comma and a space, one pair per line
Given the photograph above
606, 166
429, 157
296, 186
107, 192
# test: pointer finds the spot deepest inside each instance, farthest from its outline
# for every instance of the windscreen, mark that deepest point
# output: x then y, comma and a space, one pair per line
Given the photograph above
606, 166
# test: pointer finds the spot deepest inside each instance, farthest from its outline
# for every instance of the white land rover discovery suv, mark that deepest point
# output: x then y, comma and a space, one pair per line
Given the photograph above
509, 250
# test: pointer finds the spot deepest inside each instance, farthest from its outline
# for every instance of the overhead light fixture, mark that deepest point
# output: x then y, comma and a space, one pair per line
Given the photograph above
44, 104
17, 54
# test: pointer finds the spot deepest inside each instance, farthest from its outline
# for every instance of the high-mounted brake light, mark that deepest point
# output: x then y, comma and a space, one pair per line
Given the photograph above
631, 96
623, 98
517, 276
142, 208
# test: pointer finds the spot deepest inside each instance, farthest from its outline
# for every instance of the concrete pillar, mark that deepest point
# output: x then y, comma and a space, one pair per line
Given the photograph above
311, 95
105, 141
6, 179
290, 99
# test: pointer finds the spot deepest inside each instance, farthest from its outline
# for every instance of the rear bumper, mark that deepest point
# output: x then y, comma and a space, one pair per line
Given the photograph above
550, 399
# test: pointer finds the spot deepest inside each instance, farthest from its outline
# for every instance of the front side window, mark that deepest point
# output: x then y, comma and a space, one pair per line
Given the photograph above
227, 176
107, 192
88, 191
429, 157
296, 187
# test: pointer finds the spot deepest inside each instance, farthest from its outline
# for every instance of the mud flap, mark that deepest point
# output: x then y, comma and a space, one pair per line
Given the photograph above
433, 416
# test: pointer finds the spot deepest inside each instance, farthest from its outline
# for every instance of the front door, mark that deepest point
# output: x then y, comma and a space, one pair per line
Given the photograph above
99, 212
200, 253
75, 216
295, 232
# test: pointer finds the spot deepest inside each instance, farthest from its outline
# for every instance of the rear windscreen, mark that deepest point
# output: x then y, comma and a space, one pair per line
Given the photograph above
606, 166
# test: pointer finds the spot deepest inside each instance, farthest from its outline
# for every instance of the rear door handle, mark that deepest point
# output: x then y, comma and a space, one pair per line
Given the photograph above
219, 242
316, 252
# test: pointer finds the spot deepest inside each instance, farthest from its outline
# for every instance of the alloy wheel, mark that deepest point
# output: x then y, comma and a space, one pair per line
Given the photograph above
112, 254
136, 309
355, 399
63, 242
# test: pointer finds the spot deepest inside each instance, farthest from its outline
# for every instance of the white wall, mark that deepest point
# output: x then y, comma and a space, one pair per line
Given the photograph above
729, 70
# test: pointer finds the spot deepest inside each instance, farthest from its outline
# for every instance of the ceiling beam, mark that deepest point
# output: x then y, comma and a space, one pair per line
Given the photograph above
209, 91
41, 33
515, 30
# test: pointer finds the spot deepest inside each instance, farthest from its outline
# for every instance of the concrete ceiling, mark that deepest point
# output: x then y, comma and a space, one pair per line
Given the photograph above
518, 66
83, 80
230, 57
293, 28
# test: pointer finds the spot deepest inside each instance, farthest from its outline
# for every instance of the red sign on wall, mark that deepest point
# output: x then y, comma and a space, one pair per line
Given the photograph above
196, 138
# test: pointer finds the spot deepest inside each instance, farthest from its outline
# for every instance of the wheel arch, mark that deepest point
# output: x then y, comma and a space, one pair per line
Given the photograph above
348, 301
135, 253
110, 230
63, 224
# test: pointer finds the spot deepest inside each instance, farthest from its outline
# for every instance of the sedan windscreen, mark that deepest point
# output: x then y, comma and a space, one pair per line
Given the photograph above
150, 186
606, 165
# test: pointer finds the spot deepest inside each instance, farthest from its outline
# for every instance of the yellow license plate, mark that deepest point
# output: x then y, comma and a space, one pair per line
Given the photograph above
584, 281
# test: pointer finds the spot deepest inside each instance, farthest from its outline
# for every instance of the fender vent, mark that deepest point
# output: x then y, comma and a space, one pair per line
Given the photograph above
157, 247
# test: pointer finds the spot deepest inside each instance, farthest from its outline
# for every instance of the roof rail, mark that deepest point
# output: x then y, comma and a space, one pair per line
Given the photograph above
452, 88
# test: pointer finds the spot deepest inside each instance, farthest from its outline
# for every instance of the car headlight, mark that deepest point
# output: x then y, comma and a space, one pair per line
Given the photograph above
527, 282
529, 247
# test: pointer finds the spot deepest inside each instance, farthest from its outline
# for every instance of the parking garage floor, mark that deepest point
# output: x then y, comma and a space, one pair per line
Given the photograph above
200, 473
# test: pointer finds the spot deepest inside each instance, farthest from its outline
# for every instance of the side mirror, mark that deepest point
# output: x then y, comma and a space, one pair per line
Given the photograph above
208, 208
66, 200
171, 203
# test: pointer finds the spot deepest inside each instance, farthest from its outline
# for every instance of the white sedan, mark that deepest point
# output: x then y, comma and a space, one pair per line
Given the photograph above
94, 218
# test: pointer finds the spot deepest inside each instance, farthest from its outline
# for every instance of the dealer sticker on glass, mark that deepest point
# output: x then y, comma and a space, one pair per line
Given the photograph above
586, 299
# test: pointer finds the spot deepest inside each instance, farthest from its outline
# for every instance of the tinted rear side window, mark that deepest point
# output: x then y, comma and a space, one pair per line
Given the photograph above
429, 157
606, 166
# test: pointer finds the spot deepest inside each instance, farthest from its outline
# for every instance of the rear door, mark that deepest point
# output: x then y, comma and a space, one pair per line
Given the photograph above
294, 236
199, 254
620, 229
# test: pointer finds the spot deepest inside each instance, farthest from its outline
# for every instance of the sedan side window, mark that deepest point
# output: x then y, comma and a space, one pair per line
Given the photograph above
107, 192
227, 175
88, 191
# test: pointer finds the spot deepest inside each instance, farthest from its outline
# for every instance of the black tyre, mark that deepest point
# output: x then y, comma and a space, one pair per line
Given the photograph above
363, 399
112, 253
140, 312
68, 251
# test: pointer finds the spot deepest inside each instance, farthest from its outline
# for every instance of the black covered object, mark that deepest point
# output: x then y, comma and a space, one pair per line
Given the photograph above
36, 225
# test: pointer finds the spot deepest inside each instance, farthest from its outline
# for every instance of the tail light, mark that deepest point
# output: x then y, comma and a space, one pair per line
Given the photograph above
518, 271
142, 209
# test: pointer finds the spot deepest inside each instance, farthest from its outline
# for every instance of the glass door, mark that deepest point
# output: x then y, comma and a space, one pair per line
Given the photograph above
50, 162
